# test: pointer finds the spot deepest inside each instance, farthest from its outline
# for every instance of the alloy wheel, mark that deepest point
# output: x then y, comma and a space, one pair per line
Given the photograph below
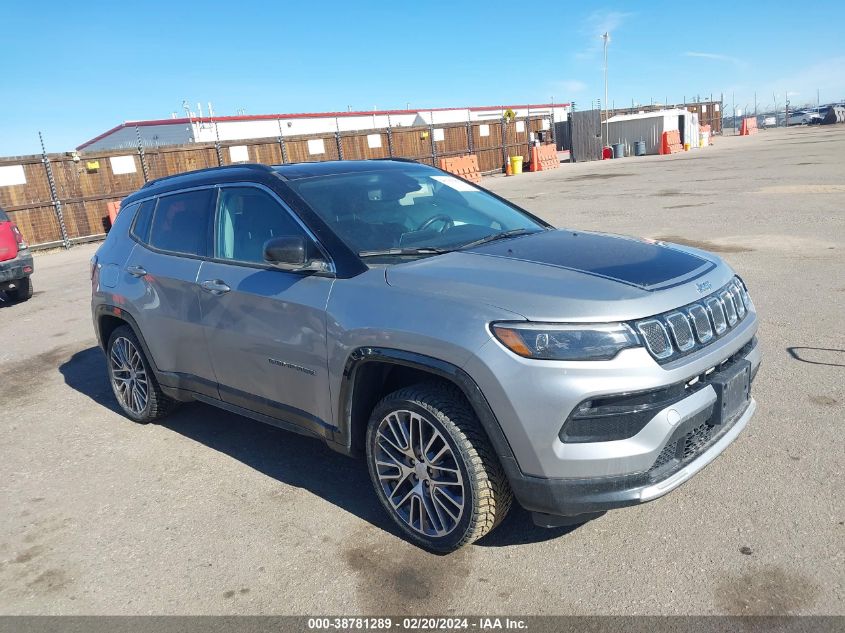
419, 473
129, 376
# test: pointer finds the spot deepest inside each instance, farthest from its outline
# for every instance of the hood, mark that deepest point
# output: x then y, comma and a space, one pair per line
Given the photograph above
569, 275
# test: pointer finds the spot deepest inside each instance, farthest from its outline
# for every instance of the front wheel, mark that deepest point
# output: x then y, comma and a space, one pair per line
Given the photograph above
433, 468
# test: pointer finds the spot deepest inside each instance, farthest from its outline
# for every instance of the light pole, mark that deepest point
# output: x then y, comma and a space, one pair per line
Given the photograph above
606, 38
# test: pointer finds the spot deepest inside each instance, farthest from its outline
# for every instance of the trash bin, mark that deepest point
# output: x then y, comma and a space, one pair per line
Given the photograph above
619, 150
639, 148
516, 165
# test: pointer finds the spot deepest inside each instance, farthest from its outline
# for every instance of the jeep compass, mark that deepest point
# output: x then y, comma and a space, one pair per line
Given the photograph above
469, 351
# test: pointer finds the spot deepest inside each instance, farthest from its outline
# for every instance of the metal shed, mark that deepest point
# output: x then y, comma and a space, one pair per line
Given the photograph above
649, 127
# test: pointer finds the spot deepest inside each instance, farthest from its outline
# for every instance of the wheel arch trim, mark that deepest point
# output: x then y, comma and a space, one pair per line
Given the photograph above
104, 310
437, 367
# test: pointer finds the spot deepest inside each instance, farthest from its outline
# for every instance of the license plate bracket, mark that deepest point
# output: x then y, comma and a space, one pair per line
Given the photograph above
733, 392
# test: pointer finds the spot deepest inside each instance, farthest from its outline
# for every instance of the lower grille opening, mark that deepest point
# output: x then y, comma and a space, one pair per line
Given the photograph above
682, 450
698, 434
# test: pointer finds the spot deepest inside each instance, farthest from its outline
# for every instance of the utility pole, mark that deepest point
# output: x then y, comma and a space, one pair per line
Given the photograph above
606, 38
733, 101
786, 110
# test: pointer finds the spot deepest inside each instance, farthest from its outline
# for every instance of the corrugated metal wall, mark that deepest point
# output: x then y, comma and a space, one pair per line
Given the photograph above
563, 135
628, 132
691, 129
650, 129
585, 136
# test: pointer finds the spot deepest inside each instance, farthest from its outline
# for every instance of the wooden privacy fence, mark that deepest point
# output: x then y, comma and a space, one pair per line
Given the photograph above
59, 199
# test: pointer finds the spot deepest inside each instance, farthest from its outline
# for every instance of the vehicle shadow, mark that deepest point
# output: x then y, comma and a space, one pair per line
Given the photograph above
289, 458
7, 302
519, 529
85, 372
807, 354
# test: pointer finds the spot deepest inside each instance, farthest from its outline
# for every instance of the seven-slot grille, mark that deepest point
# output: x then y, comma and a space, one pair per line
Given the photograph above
676, 333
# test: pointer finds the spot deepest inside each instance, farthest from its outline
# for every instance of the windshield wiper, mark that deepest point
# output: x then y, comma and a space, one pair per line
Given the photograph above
422, 250
499, 236
431, 250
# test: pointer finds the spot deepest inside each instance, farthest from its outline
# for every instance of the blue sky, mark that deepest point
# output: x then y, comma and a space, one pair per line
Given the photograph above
75, 69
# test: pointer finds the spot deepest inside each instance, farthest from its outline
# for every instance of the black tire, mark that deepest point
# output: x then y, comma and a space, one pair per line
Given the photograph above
157, 404
22, 291
486, 493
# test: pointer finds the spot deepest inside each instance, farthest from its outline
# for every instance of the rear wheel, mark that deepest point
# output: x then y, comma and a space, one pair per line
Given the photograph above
433, 468
132, 380
22, 291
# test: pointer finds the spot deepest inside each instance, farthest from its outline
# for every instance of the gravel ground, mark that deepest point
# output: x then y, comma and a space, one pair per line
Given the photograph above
210, 513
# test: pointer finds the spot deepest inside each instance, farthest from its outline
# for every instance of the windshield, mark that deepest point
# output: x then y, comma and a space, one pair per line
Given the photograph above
409, 210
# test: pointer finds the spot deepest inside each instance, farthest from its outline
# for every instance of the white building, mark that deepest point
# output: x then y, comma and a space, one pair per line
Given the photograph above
201, 129
649, 127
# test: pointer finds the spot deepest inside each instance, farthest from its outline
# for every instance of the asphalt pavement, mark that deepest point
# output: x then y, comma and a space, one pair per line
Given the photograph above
211, 513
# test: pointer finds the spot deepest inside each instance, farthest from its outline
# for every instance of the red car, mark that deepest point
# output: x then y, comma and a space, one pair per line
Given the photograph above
15, 261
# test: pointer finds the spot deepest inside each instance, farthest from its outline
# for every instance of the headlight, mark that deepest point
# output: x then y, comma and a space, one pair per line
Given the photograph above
556, 341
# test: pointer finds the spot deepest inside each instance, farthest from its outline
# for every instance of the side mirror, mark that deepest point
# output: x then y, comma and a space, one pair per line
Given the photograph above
293, 252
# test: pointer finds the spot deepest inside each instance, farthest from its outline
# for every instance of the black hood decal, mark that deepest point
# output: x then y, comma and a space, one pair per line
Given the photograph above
640, 263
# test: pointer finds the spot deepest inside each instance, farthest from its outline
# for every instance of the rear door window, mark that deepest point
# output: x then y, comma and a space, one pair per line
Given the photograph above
181, 222
3, 216
123, 219
143, 221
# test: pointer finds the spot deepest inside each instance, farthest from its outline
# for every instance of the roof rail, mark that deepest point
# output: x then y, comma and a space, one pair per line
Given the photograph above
256, 166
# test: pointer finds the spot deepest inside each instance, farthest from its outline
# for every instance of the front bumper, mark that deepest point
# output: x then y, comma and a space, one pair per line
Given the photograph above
573, 497
553, 477
13, 269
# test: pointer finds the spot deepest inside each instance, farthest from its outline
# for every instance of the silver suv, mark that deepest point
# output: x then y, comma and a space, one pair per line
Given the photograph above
470, 351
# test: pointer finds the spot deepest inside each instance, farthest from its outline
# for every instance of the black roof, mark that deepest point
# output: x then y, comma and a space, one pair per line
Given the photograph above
199, 177
260, 172
297, 171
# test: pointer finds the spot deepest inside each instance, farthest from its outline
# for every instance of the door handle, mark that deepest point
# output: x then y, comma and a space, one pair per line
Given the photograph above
136, 271
215, 287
